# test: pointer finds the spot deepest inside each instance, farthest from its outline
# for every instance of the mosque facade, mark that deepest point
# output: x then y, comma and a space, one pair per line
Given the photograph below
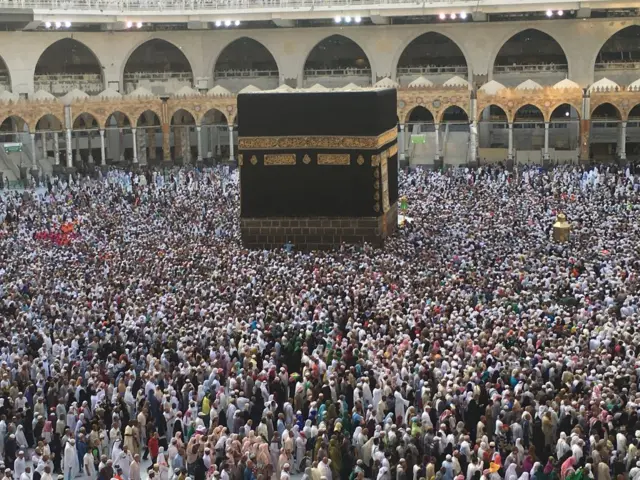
559, 90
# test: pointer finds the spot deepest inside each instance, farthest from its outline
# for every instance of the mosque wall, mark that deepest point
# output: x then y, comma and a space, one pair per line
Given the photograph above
480, 43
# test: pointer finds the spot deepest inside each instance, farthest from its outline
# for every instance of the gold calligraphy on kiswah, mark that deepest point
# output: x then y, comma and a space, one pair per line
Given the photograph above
315, 141
334, 159
280, 159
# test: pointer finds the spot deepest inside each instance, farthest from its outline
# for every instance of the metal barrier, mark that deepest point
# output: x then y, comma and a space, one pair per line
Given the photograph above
337, 72
540, 68
430, 69
245, 73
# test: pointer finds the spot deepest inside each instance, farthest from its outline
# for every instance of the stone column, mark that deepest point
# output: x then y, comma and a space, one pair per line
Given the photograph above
186, 144
56, 149
622, 148
585, 128
43, 137
135, 145
401, 142
473, 141
121, 144
166, 142
177, 141
199, 132
437, 155
69, 149
151, 141
78, 157
510, 152
545, 155
103, 155
90, 157
231, 145
585, 133
34, 152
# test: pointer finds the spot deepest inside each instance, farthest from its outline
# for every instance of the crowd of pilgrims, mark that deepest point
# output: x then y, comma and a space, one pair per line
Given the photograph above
139, 339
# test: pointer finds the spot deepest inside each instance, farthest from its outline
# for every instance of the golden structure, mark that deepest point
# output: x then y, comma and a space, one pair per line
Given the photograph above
561, 229
134, 112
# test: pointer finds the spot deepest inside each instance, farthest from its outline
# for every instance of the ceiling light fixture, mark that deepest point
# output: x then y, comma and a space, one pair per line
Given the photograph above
443, 16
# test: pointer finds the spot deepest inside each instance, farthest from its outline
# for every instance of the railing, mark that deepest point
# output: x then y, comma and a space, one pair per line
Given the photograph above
540, 68
431, 69
245, 73
103, 7
337, 72
4, 79
59, 84
618, 66
157, 76
203, 5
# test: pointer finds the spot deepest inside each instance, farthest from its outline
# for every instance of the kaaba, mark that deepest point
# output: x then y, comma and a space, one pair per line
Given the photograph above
317, 169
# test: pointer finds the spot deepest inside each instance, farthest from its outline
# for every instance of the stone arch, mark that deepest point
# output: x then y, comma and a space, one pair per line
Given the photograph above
422, 39
5, 75
214, 116
602, 111
70, 58
10, 121
122, 120
629, 30
453, 112
47, 122
521, 35
421, 114
181, 120
337, 43
528, 113
563, 112
183, 116
85, 121
157, 55
497, 113
145, 116
225, 58
634, 113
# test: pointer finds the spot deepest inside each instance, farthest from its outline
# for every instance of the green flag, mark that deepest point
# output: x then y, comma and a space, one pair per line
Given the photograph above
419, 138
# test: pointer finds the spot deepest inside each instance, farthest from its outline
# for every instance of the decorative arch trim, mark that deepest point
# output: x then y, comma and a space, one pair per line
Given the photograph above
110, 114
139, 117
516, 30
462, 107
95, 57
604, 102
191, 61
367, 54
503, 107
13, 115
47, 114
212, 109
410, 38
410, 111
214, 62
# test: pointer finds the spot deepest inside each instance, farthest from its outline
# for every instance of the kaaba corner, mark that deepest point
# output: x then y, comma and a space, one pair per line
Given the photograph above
317, 169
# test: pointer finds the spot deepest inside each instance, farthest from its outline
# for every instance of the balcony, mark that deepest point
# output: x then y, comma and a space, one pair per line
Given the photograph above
157, 82
61, 83
543, 73
5, 82
236, 80
337, 77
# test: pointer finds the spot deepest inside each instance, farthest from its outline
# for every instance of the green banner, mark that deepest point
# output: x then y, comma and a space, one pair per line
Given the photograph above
12, 147
419, 138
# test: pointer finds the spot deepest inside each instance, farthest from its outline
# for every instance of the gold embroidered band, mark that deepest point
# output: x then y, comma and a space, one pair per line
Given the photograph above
312, 141
280, 159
